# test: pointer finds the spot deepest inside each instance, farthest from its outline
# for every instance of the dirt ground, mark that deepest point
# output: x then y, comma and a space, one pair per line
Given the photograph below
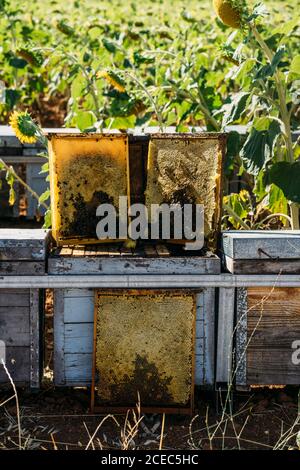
60, 419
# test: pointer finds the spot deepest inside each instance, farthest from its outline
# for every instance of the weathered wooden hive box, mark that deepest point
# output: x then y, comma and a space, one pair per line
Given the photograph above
267, 318
22, 252
74, 311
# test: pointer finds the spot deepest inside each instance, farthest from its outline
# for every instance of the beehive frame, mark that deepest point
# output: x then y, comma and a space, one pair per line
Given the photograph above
162, 379
175, 175
75, 197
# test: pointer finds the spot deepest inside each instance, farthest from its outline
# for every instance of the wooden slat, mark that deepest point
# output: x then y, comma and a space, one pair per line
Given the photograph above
267, 266
79, 309
135, 280
209, 337
102, 250
66, 251
134, 265
14, 298
78, 338
59, 338
18, 364
150, 251
126, 251
162, 250
10, 268
78, 369
15, 326
36, 354
225, 335
240, 365
78, 250
90, 250
114, 250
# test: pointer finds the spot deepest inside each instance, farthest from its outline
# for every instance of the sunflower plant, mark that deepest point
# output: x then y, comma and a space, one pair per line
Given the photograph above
266, 99
28, 132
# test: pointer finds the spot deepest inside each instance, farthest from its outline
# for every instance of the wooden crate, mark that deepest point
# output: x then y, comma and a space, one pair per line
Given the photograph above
268, 322
74, 308
258, 327
21, 310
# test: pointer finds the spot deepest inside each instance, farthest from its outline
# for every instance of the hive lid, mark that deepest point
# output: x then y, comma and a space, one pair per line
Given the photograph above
258, 244
23, 244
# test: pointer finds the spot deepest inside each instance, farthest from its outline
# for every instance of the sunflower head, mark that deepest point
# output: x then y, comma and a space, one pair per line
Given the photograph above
32, 55
231, 12
24, 127
113, 79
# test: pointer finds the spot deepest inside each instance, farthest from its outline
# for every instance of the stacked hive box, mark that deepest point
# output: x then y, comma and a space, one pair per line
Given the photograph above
267, 326
74, 308
22, 252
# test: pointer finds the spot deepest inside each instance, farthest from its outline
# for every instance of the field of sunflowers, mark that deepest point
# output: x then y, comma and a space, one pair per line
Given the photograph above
112, 64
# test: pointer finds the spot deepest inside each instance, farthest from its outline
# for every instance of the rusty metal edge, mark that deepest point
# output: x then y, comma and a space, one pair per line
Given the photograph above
123, 134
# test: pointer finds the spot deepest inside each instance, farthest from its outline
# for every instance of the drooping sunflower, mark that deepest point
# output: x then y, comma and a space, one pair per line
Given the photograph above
113, 79
24, 127
32, 55
230, 12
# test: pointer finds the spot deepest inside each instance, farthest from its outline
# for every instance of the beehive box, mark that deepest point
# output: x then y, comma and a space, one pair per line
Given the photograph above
187, 169
267, 318
74, 308
21, 310
262, 252
268, 333
86, 170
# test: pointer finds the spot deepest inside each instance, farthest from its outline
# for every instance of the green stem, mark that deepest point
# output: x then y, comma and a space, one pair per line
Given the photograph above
91, 85
285, 116
281, 93
271, 216
236, 217
17, 177
157, 112
204, 108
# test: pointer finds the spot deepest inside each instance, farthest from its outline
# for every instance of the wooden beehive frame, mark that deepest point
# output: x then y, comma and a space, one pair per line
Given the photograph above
116, 147
151, 409
154, 191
